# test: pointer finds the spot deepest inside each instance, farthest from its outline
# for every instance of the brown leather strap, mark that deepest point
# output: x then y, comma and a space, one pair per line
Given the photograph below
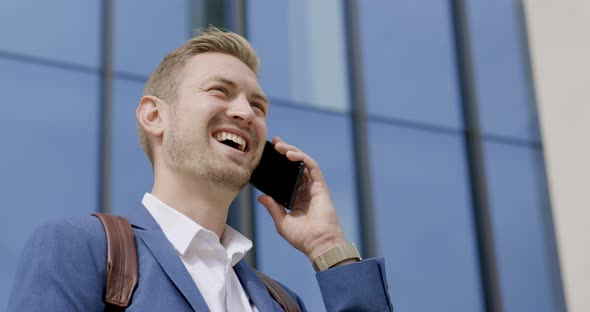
279, 294
122, 266
121, 260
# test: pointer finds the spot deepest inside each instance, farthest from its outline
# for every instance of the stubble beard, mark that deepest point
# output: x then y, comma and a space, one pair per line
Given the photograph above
186, 157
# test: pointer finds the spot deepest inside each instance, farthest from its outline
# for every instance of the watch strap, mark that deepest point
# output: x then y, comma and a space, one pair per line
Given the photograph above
335, 255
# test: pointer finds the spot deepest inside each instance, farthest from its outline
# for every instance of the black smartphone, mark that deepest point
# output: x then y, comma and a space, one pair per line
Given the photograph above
277, 176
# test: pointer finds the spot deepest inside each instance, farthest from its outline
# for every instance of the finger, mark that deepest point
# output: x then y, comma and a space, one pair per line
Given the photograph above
282, 146
276, 140
276, 211
306, 174
312, 168
310, 164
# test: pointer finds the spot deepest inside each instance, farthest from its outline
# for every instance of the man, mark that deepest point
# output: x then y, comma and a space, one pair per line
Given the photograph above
202, 124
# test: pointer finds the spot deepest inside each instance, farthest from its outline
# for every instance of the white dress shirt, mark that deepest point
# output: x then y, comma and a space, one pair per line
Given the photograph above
208, 259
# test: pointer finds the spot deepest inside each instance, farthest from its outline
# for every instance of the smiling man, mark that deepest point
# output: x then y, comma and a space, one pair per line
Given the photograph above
202, 124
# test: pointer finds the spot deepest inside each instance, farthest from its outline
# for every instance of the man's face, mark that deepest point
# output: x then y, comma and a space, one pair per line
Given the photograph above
217, 127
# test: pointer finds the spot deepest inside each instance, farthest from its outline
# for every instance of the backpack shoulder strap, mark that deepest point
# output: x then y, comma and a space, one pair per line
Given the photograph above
279, 294
122, 273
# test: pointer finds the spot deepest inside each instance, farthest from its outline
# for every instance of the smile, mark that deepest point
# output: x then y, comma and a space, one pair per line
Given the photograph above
231, 140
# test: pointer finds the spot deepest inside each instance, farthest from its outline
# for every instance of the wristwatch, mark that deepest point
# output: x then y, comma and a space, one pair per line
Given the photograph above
335, 255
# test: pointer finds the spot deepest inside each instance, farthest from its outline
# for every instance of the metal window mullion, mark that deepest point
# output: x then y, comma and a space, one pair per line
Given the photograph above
476, 161
105, 111
359, 130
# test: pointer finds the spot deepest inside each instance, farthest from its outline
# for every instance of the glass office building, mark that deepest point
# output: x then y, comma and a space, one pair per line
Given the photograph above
421, 114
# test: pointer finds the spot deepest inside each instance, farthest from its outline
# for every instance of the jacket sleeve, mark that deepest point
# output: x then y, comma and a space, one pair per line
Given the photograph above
358, 286
62, 268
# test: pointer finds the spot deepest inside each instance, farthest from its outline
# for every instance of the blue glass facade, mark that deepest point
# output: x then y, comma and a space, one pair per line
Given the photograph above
141, 40
409, 62
51, 162
131, 173
424, 219
50, 153
500, 55
303, 54
518, 203
67, 31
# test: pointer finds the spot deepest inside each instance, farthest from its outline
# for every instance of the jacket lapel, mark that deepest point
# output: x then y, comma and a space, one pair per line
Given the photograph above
152, 235
254, 287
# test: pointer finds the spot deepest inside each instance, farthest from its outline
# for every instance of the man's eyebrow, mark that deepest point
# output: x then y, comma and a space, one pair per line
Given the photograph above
232, 84
222, 80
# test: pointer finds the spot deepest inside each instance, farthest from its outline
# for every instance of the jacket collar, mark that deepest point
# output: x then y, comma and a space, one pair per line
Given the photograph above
254, 287
141, 218
148, 231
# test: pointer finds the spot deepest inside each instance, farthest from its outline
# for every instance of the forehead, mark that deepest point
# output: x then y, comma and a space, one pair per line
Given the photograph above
201, 67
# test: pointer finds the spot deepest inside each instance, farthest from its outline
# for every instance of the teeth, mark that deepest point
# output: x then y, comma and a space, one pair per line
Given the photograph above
222, 136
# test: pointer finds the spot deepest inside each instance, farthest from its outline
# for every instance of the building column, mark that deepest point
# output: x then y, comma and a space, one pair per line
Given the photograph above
559, 41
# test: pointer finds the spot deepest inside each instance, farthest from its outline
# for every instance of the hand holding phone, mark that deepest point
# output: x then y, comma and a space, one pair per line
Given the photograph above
277, 176
312, 224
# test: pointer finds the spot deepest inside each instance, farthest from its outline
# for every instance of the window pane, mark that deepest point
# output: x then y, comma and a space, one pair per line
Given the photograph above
424, 219
61, 30
143, 35
48, 163
504, 89
409, 61
519, 211
303, 54
325, 137
131, 174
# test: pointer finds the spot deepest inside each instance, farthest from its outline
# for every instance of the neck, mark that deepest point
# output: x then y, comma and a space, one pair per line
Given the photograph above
206, 204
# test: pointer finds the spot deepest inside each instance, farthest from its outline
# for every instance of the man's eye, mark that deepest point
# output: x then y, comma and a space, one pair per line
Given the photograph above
260, 107
219, 90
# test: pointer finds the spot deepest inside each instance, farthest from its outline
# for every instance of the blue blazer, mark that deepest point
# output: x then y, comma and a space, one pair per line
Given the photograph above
63, 268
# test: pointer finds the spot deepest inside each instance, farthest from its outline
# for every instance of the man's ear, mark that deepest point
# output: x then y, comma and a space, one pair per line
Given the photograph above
151, 116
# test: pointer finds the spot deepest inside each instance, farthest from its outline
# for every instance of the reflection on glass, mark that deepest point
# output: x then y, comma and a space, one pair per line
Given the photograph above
303, 54
423, 219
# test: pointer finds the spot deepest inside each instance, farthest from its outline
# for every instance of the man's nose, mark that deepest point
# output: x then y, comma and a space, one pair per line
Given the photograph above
241, 112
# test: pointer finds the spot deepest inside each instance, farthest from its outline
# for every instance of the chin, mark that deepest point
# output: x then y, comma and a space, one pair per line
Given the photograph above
231, 178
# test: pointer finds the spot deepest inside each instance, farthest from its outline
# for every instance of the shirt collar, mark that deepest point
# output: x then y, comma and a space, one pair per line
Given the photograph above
181, 230
236, 244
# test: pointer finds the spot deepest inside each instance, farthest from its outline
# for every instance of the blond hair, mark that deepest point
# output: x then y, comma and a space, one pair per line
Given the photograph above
164, 81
